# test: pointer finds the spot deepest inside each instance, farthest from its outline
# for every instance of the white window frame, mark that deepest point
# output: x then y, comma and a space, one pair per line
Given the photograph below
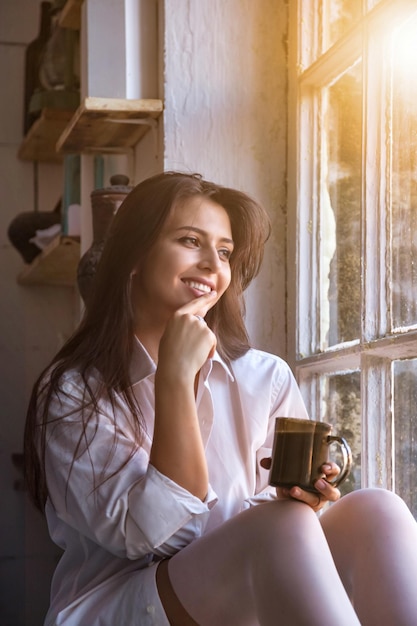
378, 346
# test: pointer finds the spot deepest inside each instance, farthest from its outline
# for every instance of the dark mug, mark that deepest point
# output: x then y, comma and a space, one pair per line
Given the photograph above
300, 449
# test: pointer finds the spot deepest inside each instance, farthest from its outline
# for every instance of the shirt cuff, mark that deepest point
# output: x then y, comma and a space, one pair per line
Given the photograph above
165, 507
260, 498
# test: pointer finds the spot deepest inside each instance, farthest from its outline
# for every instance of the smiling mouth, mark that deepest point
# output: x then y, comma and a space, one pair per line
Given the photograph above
199, 286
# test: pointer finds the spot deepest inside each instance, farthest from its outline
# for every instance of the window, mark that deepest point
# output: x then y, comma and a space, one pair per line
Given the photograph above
353, 229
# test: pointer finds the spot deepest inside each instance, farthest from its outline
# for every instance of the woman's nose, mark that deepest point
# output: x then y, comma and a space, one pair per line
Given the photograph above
210, 259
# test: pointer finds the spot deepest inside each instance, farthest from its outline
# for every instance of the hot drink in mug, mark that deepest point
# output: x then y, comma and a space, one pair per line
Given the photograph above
300, 449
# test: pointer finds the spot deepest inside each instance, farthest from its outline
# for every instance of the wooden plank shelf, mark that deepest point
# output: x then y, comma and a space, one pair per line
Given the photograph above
108, 125
55, 265
40, 142
71, 15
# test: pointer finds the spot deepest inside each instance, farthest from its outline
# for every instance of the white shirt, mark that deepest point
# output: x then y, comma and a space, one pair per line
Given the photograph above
138, 514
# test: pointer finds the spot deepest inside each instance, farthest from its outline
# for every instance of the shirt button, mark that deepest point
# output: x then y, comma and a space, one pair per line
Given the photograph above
150, 609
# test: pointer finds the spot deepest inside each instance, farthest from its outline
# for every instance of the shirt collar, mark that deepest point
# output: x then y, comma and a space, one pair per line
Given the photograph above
142, 365
218, 359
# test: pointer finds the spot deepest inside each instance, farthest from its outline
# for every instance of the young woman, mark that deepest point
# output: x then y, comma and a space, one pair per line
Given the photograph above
148, 441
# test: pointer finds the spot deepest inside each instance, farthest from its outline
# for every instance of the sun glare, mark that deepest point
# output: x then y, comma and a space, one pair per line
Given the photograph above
404, 46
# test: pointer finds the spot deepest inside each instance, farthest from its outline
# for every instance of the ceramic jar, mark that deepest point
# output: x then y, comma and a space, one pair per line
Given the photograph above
105, 203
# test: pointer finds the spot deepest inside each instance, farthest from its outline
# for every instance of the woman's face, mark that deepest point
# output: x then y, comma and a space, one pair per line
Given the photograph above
190, 258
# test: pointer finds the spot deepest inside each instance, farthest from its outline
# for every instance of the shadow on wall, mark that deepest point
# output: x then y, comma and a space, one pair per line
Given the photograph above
29, 558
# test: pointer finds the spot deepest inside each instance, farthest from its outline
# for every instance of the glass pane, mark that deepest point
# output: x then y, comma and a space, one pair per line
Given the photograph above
341, 407
404, 176
338, 17
405, 425
371, 3
340, 209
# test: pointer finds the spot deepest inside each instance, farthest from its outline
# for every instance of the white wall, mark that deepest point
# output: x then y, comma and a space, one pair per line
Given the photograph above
33, 323
225, 117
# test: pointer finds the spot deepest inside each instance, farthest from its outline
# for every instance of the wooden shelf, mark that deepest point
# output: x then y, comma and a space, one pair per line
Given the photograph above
40, 142
55, 265
108, 125
71, 15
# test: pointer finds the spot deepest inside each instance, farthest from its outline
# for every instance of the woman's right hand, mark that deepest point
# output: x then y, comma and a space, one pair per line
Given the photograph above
187, 341
177, 448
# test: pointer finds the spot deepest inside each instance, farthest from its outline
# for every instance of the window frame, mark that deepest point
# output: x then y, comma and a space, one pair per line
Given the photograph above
378, 346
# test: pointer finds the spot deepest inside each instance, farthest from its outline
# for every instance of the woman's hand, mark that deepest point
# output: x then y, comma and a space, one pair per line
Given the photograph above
326, 491
177, 448
187, 341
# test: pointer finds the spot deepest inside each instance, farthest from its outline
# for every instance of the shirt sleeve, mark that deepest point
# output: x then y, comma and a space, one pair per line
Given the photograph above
132, 512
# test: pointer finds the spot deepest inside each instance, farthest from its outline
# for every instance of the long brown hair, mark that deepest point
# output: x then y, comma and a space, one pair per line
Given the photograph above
104, 339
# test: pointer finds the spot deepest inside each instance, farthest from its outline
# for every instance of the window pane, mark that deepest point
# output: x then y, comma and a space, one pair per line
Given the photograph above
404, 176
338, 17
405, 438
340, 209
371, 3
341, 401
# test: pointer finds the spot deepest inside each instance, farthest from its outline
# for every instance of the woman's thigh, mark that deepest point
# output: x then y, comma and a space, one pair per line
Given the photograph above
248, 566
208, 576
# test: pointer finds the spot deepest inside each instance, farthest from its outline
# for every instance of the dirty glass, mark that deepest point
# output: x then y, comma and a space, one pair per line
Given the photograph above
405, 431
341, 407
338, 17
340, 209
404, 175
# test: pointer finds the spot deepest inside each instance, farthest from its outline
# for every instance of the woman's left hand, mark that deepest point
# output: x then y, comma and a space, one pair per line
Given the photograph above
326, 491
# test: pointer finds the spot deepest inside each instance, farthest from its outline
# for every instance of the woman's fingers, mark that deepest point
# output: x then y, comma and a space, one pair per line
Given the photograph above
325, 490
199, 306
187, 341
325, 493
330, 470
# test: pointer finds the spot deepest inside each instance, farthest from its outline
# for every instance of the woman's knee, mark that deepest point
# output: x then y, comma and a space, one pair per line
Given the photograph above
365, 510
284, 520
256, 531
375, 502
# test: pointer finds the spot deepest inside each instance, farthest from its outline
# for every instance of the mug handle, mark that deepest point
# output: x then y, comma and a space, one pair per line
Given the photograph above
347, 459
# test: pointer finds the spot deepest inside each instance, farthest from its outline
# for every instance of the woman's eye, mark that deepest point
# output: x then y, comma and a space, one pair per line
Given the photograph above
190, 241
225, 253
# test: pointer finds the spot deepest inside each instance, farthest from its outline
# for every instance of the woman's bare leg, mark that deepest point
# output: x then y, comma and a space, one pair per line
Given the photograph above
373, 539
269, 565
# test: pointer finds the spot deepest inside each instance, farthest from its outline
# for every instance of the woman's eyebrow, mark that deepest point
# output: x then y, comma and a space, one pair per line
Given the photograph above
202, 232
